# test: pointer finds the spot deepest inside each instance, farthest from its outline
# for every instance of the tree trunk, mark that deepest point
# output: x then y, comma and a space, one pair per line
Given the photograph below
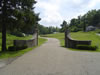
84, 27
4, 37
4, 17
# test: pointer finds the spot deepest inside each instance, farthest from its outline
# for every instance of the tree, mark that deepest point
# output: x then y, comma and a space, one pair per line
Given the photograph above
16, 14
64, 26
47, 30
91, 18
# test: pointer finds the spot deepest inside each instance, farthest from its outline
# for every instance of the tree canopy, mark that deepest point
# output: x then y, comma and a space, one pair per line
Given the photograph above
17, 15
64, 26
91, 18
47, 30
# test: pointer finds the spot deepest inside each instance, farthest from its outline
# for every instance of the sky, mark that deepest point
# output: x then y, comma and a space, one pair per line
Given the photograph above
53, 12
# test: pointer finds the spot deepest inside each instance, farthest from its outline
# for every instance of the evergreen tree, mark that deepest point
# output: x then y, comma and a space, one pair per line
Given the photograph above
16, 15
64, 26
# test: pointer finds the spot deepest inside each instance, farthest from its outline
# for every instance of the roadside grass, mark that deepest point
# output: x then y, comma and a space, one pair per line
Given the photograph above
78, 36
10, 39
87, 36
9, 54
59, 36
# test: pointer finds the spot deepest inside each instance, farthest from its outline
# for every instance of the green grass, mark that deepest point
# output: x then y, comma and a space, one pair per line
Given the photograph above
41, 41
87, 36
10, 39
9, 54
79, 36
59, 36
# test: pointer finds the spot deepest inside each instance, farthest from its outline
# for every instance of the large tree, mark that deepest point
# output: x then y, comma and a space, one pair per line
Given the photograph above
16, 14
91, 18
64, 26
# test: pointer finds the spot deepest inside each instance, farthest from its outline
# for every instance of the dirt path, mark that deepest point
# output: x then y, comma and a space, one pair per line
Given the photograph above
51, 59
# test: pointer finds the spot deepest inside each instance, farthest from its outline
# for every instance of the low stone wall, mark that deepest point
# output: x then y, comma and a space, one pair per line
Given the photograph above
71, 43
28, 43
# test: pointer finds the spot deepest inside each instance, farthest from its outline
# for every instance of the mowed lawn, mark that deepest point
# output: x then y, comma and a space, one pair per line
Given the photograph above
59, 36
10, 38
79, 36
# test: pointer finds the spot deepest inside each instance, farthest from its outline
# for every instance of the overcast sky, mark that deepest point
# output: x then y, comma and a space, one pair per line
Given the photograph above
53, 12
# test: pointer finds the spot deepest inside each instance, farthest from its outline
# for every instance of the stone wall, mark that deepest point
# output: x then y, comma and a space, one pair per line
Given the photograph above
71, 43
28, 43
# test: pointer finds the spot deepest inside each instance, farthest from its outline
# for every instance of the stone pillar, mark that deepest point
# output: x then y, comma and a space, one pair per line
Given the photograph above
66, 38
36, 36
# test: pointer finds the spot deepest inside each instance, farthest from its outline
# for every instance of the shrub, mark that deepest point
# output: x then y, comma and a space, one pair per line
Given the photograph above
12, 48
19, 34
86, 47
98, 31
16, 48
75, 29
21, 47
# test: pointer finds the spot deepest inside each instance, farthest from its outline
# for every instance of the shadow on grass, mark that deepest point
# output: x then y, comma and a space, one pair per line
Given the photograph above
9, 54
72, 49
63, 46
43, 36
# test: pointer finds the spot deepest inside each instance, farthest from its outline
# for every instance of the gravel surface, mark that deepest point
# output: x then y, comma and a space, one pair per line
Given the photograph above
51, 59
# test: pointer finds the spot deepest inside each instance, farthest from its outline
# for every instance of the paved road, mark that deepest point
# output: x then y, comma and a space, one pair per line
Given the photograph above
51, 59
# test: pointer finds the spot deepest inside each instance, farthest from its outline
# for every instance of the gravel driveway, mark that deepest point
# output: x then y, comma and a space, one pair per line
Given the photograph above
51, 59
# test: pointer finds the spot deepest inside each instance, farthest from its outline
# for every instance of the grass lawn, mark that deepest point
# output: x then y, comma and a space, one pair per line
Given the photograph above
79, 36
59, 36
10, 54
10, 39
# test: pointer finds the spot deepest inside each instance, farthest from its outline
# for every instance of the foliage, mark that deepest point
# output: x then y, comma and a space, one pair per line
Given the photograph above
17, 15
87, 36
91, 18
97, 31
9, 54
86, 47
16, 48
20, 15
79, 36
10, 39
17, 33
64, 26
47, 30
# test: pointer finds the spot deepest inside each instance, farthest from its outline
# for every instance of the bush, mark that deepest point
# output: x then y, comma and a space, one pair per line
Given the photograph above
21, 47
16, 48
19, 34
98, 31
86, 47
12, 48
75, 29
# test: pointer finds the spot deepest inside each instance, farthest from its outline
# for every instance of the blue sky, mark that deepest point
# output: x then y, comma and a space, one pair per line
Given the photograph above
53, 12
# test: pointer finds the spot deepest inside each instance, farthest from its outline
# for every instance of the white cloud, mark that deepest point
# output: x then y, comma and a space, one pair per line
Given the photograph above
77, 1
53, 12
50, 11
93, 3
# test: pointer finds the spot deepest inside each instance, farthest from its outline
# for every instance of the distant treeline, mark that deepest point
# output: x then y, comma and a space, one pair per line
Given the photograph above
47, 30
91, 18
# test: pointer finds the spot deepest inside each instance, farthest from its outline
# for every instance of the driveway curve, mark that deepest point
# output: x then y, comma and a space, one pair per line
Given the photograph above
51, 59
